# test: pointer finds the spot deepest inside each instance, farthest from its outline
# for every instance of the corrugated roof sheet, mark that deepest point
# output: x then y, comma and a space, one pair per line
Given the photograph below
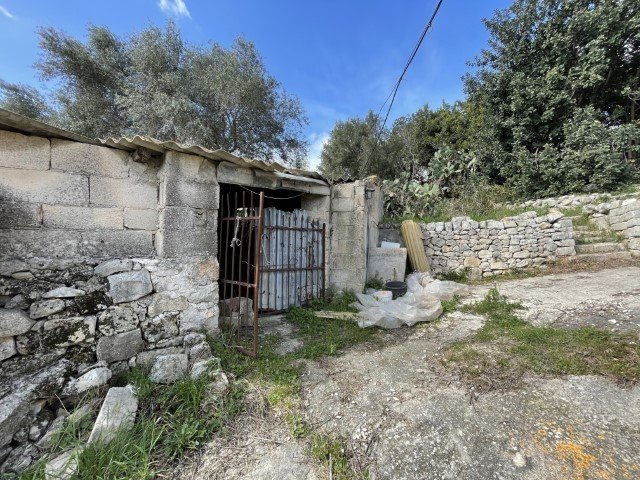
16, 122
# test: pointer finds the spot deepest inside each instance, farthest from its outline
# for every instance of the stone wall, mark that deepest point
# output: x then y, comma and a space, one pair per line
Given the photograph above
354, 230
624, 217
494, 247
105, 263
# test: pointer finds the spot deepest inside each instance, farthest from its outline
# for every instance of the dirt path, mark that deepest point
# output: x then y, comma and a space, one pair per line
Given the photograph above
416, 422
410, 419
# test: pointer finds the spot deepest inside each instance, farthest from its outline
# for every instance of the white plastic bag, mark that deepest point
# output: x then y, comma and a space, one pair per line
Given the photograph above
421, 303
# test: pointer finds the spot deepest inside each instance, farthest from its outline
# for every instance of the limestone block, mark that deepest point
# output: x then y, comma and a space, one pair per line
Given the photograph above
176, 191
94, 378
78, 157
185, 218
64, 332
128, 286
166, 302
13, 410
63, 467
81, 218
123, 192
196, 320
122, 346
565, 251
387, 264
146, 359
110, 267
141, 218
7, 347
43, 187
44, 308
117, 319
117, 243
161, 327
185, 243
632, 232
14, 322
118, 412
22, 243
20, 214
24, 151
169, 368
63, 292
199, 352
231, 173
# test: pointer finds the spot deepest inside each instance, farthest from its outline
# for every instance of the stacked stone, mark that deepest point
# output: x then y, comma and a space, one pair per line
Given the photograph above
624, 217
69, 328
495, 247
574, 200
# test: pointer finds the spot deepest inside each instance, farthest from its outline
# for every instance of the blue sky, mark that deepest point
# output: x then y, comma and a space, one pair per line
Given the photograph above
340, 58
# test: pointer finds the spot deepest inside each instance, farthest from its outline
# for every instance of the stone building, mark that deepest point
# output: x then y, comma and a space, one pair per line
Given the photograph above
110, 254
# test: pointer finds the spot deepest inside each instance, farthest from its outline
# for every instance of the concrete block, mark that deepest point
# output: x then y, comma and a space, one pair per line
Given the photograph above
183, 218
231, 173
264, 179
20, 214
24, 151
342, 204
195, 242
81, 218
189, 167
387, 264
141, 218
117, 243
43, 187
89, 159
122, 192
175, 191
343, 190
39, 243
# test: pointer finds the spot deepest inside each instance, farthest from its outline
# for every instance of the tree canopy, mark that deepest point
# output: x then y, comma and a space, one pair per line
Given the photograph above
154, 83
551, 108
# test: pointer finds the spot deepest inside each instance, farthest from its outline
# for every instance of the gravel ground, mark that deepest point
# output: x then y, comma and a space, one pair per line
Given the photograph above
408, 418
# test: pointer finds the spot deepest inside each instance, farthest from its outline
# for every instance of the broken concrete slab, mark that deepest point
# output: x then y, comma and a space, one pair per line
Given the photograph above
118, 412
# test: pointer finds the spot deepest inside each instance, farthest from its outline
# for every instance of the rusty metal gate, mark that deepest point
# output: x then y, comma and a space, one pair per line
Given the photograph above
292, 263
269, 261
240, 238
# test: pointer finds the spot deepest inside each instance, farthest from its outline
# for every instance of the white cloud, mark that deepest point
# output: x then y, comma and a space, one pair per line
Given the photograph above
316, 142
174, 7
6, 13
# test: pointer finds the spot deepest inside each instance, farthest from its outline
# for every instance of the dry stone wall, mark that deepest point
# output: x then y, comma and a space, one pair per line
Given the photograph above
624, 217
105, 263
495, 247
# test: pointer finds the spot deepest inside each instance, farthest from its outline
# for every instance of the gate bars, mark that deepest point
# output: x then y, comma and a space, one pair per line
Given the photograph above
269, 261
293, 260
241, 238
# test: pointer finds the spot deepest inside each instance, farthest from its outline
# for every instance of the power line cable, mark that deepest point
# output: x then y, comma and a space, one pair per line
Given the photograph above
414, 52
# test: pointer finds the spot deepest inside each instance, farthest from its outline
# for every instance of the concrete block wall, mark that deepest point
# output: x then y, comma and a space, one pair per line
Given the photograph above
354, 221
68, 199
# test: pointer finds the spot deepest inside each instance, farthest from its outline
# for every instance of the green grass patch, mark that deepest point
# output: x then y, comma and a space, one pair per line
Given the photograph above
507, 342
171, 420
479, 215
335, 302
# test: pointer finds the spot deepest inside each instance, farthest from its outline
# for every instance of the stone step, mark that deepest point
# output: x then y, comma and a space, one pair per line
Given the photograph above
590, 258
604, 247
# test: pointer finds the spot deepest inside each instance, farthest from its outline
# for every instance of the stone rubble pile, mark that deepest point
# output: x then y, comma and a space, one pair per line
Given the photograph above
68, 329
